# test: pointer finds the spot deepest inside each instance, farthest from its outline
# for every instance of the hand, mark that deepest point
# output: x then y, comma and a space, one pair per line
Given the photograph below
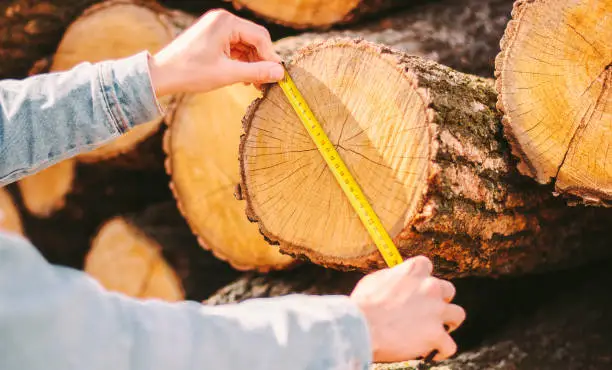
406, 309
219, 49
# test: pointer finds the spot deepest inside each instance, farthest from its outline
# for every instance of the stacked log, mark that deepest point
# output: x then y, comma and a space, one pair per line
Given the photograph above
153, 254
555, 89
10, 218
425, 144
439, 148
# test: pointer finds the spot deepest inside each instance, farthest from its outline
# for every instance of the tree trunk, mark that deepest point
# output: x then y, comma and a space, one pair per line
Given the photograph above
307, 279
555, 88
97, 193
302, 14
202, 142
10, 218
462, 34
425, 144
100, 34
202, 139
31, 29
153, 254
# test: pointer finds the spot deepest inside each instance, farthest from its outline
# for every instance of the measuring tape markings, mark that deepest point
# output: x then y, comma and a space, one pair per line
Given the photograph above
342, 174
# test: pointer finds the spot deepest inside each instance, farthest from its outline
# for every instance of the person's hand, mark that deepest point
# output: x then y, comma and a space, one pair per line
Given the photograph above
219, 49
406, 309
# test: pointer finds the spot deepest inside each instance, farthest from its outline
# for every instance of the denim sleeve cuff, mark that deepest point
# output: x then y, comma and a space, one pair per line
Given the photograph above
128, 91
353, 327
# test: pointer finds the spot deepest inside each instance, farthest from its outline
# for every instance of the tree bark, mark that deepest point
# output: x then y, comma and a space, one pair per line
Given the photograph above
462, 34
153, 254
425, 144
31, 30
307, 279
555, 89
301, 14
201, 142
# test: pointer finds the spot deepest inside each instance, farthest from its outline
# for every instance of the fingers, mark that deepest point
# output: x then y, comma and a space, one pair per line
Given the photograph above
446, 347
453, 316
255, 73
419, 265
257, 36
448, 290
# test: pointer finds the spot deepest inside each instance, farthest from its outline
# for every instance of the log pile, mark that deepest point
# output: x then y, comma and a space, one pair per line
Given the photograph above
462, 120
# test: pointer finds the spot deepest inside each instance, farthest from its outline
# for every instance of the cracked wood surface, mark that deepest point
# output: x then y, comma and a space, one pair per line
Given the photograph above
555, 89
425, 143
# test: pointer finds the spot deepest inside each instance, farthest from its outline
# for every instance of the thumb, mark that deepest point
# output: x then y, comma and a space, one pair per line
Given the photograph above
255, 72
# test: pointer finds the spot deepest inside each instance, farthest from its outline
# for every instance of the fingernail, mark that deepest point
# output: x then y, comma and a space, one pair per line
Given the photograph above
277, 72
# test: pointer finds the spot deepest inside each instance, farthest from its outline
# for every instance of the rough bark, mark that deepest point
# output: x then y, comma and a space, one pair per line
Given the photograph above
461, 34
555, 89
472, 212
570, 330
153, 254
304, 14
307, 279
31, 30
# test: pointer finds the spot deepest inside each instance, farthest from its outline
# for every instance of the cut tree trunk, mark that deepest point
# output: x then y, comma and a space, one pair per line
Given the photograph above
202, 139
44, 192
97, 193
425, 144
100, 34
31, 29
462, 34
302, 14
555, 88
10, 218
153, 254
202, 144
97, 35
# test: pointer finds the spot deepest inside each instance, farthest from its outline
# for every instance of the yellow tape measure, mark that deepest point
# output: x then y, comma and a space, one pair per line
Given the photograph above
341, 173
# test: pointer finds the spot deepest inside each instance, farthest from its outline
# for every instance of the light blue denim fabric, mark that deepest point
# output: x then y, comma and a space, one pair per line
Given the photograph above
56, 318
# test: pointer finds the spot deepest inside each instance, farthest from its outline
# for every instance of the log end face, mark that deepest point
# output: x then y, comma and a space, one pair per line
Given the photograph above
555, 87
202, 145
373, 111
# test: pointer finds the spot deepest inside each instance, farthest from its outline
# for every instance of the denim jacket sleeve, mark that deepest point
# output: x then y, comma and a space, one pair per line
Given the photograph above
54, 318
50, 117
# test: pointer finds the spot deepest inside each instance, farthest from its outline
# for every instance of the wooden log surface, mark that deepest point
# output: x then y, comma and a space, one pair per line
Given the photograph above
153, 254
462, 34
555, 89
302, 14
10, 217
202, 144
31, 30
425, 144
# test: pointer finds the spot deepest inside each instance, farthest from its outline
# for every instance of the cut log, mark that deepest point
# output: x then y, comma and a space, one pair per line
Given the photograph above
461, 34
302, 14
45, 192
307, 279
425, 144
202, 144
154, 255
97, 193
10, 219
100, 34
555, 88
30, 30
